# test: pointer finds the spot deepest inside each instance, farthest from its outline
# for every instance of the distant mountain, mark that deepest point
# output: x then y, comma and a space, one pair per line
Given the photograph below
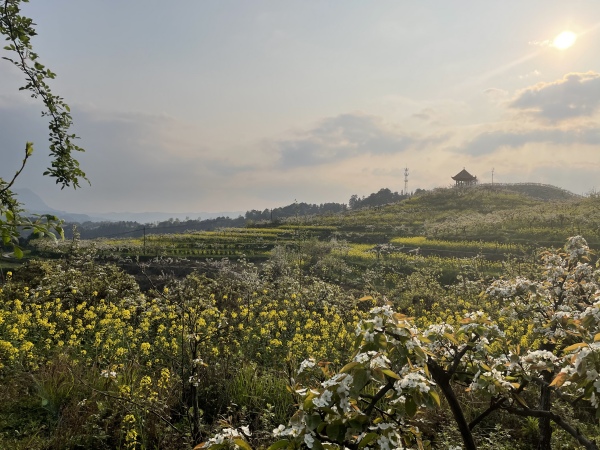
149, 217
35, 205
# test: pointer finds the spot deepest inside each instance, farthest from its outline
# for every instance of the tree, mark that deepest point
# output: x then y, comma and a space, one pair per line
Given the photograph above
18, 31
539, 358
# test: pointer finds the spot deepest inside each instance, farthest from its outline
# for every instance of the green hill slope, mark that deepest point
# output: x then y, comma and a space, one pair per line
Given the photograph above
539, 191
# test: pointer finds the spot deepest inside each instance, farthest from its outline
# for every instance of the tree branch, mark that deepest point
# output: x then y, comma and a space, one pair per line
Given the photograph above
558, 420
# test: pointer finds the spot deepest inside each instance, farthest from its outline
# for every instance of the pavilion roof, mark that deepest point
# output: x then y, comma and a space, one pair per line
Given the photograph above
463, 175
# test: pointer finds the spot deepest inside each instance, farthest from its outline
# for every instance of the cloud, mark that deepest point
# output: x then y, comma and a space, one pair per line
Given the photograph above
575, 95
496, 95
490, 141
533, 73
542, 43
130, 159
426, 114
340, 138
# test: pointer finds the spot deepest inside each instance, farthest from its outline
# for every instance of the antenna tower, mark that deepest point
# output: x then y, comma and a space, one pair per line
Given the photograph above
406, 181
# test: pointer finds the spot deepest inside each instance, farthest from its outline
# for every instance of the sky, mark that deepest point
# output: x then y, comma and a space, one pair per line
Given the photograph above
223, 105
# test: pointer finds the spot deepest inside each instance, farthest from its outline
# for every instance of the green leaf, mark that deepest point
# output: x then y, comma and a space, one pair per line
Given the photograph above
336, 432
361, 378
559, 379
520, 399
420, 353
367, 439
313, 421
317, 445
451, 338
390, 374
348, 367
570, 348
308, 404
279, 444
18, 252
411, 407
436, 398
242, 444
486, 367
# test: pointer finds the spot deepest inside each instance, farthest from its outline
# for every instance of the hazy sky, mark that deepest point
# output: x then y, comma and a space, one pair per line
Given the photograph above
222, 105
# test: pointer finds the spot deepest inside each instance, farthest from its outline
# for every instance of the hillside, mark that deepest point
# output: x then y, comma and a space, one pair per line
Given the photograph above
539, 191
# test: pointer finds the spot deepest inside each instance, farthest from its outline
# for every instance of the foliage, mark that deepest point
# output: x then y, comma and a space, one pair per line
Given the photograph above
114, 367
18, 31
382, 197
398, 371
121, 368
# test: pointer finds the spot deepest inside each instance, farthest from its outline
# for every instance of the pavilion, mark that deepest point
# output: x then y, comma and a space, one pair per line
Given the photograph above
464, 178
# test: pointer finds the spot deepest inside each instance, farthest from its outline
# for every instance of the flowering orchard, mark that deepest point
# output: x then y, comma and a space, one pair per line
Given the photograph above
277, 358
380, 398
112, 367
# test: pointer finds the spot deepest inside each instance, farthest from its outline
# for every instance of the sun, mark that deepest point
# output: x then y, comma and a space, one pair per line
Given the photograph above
564, 40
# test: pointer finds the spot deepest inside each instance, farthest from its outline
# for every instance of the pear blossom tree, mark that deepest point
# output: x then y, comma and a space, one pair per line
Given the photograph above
397, 372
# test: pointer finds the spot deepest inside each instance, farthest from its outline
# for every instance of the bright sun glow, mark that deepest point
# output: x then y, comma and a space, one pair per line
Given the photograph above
564, 40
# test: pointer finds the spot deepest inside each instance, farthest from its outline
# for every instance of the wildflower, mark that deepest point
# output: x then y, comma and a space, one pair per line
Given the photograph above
108, 373
309, 440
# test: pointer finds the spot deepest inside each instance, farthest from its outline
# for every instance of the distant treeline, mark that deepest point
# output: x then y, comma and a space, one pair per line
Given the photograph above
91, 230
383, 197
295, 209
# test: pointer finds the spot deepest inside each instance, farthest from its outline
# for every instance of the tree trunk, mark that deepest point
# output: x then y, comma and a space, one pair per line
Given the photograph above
545, 426
442, 379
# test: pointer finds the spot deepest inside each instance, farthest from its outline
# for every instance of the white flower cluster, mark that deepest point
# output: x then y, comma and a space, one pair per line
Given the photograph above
538, 360
323, 400
492, 382
440, 345
227, 435
438, 330
306, 364
510, 288
342, 382
376, 360
591, 312
389, 437
576, 247
479, 318
380, 362
539, 355
198, 362
108, 373
413, 381
295, 430
194, 380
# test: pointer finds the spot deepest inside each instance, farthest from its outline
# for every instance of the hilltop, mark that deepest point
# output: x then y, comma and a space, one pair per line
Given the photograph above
539, 191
